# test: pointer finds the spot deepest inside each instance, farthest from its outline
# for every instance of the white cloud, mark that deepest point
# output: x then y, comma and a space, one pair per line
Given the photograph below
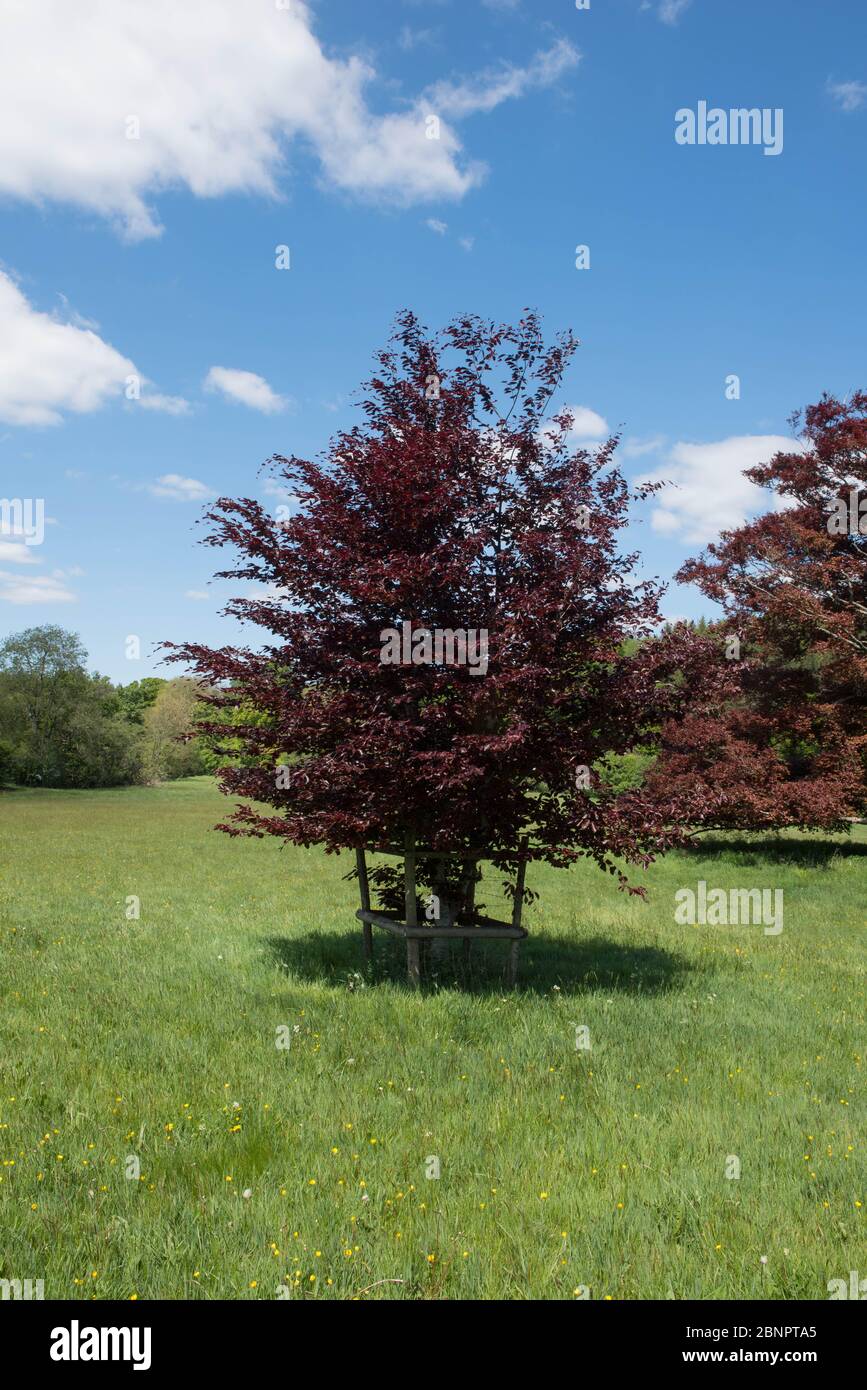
16, 553
273, 488
487, 90
199, 594
635, 448
266, 591
466, 242
246, 387
849, 96
587, 424
168, 405
588, 427
671, 10
437, 226
34, 589
48, 366
105, 104
415, 38
180, 489
707, 490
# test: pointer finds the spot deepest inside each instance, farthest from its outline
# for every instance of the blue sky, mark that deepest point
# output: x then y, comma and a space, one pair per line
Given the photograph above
268, 124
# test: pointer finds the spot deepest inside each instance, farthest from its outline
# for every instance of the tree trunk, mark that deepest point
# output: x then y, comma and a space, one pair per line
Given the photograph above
453, 909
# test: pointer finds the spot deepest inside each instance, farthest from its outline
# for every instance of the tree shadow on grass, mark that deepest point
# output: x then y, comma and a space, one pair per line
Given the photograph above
776, 849
587, 966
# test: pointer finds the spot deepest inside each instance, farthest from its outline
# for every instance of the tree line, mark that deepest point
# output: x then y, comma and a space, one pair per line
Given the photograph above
63, 726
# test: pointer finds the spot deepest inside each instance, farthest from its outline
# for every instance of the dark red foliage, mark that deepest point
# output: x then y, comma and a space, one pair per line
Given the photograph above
451, 507
792, 750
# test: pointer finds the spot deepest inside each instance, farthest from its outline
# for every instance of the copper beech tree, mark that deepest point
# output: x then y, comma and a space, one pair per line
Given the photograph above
791, 748
458, 505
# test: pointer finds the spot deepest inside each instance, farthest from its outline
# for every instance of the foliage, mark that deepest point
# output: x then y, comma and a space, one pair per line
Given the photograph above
165, 752
791, 749
225, 751
623, 772
62, 727
7, 760
454, 505
139, 696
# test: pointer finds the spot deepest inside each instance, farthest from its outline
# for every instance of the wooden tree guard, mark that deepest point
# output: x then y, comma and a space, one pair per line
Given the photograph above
478, 928
413, 971
364, 886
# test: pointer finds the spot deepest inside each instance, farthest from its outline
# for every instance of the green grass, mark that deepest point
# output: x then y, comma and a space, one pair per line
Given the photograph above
559, 1168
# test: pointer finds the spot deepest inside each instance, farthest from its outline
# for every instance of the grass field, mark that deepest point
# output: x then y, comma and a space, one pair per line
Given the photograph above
560, 1169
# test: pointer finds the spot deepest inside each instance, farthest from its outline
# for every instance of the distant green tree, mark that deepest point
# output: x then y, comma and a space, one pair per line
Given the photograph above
100, 747
170, 717
701, 625
138, 696
221, 750
60, 726
623, 772
7, 760
42, 672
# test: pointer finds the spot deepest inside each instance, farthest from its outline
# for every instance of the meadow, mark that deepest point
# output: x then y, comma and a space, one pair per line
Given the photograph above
156, 1142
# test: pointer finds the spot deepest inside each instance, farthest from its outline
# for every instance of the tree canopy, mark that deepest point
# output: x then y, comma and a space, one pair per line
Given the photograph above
791, 747
456, 504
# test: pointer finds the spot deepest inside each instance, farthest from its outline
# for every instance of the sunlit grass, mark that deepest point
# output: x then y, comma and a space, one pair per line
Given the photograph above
155, 1039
